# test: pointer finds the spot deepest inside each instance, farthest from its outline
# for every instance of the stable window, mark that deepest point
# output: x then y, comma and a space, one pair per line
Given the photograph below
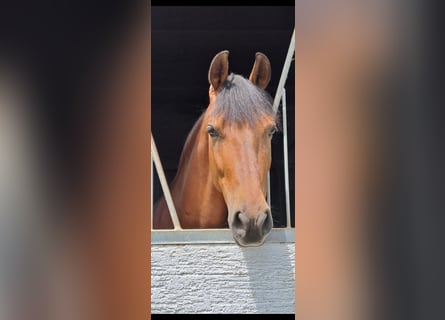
224, 235
186, 42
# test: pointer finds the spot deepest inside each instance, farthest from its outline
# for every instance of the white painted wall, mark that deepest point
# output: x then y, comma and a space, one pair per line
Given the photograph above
223, 278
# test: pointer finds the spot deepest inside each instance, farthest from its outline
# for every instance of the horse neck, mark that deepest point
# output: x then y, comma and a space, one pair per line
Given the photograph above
198, 203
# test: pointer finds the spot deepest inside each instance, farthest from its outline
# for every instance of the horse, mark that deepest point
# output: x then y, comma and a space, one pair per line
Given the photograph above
221, 179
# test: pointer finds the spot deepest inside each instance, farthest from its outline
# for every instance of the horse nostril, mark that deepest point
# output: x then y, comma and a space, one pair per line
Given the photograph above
240, 220
267, 223
237, 223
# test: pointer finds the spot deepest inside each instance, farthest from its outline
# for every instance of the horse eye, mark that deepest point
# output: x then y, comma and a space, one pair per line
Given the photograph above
272, 131
212, 131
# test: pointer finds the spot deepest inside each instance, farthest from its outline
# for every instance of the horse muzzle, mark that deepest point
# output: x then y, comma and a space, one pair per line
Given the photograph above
251, 230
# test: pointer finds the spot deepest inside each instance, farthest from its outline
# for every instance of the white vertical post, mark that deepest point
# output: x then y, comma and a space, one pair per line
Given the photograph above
268, 188
286, 160
151, 202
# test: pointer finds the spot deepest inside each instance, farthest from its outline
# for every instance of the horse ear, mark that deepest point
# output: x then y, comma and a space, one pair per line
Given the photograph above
261, 71
219, 69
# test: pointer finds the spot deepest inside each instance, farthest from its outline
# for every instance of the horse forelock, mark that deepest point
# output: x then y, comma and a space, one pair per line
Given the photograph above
240, 101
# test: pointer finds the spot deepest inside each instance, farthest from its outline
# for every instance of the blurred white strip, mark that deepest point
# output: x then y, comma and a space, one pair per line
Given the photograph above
22, 190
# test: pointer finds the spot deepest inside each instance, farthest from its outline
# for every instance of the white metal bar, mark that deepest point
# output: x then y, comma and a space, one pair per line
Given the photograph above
164, 185
209, 236
284, 73
151, 202
286, 160
268, 188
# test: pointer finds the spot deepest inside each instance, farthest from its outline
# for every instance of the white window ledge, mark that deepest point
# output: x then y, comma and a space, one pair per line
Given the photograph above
208, 236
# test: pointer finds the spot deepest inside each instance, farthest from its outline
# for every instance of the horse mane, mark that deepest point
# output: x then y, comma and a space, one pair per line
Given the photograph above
240, 101
188, 145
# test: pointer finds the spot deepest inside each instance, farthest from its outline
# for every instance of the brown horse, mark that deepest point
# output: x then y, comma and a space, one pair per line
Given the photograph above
222, 173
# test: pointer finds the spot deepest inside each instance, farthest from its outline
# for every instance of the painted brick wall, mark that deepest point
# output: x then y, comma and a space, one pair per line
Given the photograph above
223, 278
